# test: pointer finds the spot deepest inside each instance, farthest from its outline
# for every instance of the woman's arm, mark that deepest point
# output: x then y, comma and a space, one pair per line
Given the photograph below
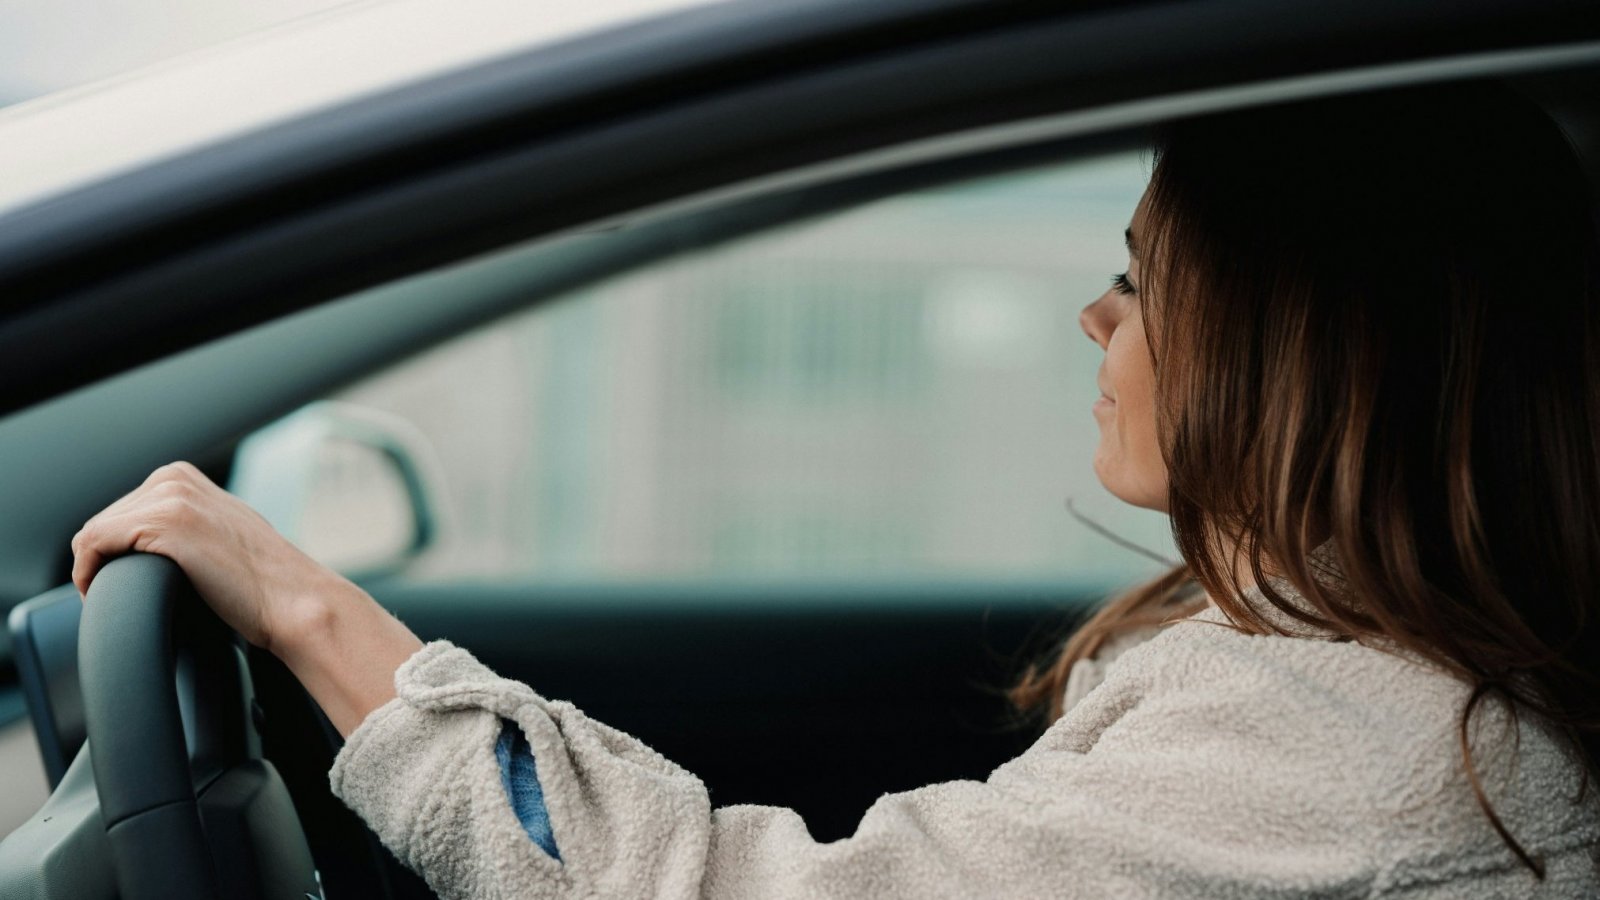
345, 649
423, 721
1170, 810
421, 771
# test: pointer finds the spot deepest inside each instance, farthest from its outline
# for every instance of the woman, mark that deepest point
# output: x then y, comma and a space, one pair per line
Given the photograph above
1351, 358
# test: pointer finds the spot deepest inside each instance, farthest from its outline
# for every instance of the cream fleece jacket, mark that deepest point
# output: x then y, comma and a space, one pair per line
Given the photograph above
1208, 763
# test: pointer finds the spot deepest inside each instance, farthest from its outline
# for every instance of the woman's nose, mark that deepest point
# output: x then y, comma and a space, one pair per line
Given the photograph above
1096, 322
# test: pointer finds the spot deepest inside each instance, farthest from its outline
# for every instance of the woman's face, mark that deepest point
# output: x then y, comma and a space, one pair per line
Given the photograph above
1128, 460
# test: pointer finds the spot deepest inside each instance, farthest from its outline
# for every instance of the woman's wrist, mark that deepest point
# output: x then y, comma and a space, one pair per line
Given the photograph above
344, 648
300, 616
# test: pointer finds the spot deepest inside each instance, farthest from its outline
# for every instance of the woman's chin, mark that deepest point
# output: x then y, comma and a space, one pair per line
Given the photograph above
1114, 477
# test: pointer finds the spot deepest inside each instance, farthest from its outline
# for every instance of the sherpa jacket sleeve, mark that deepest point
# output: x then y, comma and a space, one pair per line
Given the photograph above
1208, 764
422, 771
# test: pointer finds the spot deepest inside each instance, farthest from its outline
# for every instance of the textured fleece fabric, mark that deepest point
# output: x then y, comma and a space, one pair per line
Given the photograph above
1208, 763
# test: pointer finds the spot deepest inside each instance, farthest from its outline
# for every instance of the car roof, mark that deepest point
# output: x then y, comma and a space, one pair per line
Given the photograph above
61, 141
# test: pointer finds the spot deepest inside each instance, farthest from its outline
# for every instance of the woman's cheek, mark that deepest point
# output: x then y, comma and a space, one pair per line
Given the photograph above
1144, 473
1143, 451
1114, 463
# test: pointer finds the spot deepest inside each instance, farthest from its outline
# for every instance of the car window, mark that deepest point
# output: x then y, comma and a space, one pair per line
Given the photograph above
898, 391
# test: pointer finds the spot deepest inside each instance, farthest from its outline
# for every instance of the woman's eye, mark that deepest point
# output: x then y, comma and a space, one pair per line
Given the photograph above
1121, 284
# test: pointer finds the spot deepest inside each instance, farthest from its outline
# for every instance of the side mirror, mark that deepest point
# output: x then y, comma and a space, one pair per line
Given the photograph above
352, 486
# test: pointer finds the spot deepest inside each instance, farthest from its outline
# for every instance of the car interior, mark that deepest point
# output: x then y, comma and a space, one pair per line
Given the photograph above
810, 687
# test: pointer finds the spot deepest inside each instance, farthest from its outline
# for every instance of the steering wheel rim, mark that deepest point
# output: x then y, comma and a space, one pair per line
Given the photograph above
158, 751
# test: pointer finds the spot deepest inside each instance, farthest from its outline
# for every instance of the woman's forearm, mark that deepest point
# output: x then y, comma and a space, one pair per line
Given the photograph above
344, 648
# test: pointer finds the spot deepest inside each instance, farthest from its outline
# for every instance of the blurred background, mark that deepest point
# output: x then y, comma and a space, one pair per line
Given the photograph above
900, 391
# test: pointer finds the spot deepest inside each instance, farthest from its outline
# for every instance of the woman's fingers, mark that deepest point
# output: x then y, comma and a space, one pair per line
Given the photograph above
104, 538
85, 563
171, 473
144, 521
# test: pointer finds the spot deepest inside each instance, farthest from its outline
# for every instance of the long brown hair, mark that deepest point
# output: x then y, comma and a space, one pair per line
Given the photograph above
1373, 325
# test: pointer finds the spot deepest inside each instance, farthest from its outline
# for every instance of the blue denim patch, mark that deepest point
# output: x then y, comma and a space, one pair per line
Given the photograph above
521, 780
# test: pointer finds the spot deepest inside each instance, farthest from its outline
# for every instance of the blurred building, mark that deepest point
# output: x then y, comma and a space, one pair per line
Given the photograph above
898, 391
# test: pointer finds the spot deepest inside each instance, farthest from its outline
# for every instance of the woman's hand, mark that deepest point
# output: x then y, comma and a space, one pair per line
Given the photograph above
341, 645
252, 576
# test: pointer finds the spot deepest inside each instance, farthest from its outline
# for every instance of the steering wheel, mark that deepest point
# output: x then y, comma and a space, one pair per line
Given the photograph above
191, 810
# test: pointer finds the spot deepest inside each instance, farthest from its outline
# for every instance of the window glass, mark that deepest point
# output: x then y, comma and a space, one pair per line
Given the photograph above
898, 391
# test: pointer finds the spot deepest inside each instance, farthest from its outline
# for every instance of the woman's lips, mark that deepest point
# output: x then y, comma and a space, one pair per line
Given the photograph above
1103, 403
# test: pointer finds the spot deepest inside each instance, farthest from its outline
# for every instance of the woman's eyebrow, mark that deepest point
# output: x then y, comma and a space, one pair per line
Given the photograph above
1127, 236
